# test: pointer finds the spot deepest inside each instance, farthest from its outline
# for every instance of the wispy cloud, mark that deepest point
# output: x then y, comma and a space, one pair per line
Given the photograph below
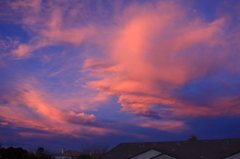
50, 24
28, 106
172, 126
161, 61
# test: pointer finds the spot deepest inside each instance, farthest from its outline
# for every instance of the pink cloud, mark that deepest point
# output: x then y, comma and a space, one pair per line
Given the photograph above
22, 51
34, 5
3, 123
149, 53
50, 24
169, 125
28, 105
154, 51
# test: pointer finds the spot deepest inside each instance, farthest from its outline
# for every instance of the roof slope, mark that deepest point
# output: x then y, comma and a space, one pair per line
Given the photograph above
207, 149
68, 153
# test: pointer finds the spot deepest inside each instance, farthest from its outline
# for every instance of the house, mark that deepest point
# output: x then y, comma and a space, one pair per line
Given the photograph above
70, 154
199, 149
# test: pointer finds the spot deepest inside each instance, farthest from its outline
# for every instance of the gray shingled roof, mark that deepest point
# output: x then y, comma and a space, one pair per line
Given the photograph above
207, 149
68, 153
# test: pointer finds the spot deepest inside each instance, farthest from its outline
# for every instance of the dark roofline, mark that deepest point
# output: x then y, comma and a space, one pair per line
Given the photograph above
185, 141
156, 146
170, 142
115, 147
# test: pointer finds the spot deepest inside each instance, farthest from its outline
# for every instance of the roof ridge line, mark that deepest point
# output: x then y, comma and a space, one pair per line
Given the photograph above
178, 141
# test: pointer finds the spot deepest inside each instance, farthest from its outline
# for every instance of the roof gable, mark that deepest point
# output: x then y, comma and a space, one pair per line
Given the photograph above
147, 154
163, 156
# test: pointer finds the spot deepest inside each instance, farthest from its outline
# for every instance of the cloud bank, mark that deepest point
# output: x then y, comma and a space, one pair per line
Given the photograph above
163, 61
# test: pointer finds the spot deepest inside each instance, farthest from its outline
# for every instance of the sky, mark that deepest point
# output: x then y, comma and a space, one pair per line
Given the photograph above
78, 72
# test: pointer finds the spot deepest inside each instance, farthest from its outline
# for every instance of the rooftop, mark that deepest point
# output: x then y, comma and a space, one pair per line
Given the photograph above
207, 149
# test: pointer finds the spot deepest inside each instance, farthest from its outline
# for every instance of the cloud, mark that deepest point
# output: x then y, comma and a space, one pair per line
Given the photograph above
155, 52
4, 123
169, 126
160, 59
22, 51
50, 24
29, 106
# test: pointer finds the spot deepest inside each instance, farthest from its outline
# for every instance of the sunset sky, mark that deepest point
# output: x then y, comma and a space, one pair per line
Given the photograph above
76, 72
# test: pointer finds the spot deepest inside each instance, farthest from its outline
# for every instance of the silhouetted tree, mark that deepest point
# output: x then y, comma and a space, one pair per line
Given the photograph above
95, 150
19, 153
40, 150
40, 153
13, 153
193, 137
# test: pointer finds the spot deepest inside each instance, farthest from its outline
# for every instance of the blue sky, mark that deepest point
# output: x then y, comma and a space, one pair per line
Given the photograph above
79, 72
